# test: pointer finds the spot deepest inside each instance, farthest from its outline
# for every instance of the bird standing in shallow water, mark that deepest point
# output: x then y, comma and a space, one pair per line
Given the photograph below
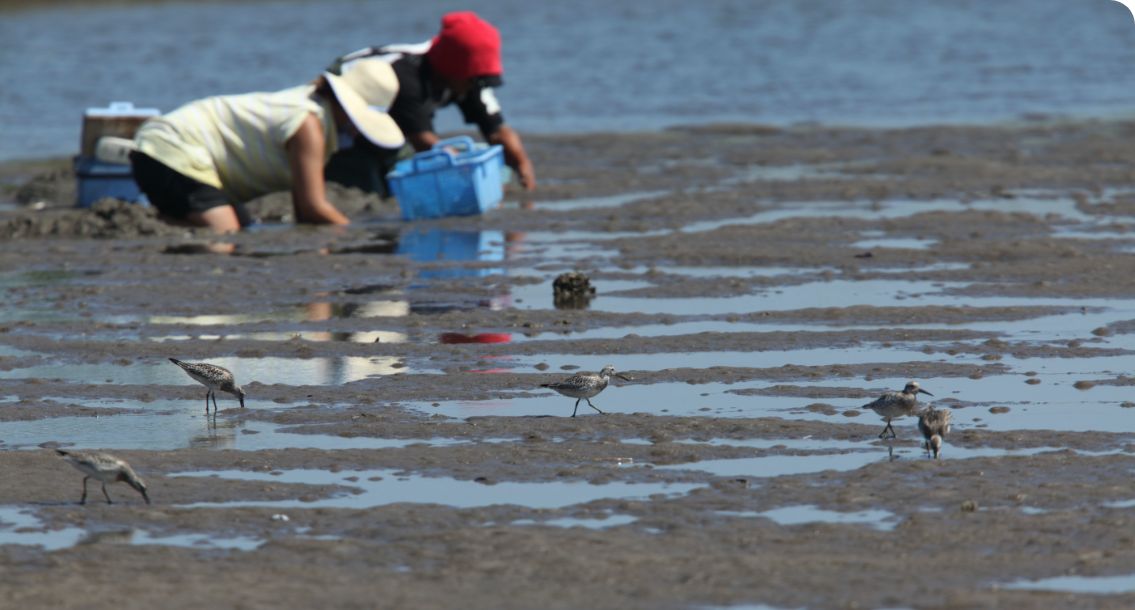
213, 377
584, 386
896, 404
107, 469
934, 424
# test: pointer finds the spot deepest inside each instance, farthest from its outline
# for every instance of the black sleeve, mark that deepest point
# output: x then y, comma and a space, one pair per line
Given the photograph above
480, 107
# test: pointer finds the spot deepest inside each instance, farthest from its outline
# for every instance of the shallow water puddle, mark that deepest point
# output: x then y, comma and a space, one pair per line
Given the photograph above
600, 523
885, 292
649, 330
375, 336
1050, 405
1033, 204
165, 431
857, 455
818, 356
196, 541
382, 487
1053, 404
882, 520
795, 444
566, 248
1099, 585
789, 173
290, 314
21, 526
727, 272
678, 399
902, 447
1026, 328
266, 370
595, 203
908, 243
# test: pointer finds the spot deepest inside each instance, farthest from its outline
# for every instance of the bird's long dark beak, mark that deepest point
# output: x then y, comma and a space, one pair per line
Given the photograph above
925, 392
241, 402
145, 497
624, 377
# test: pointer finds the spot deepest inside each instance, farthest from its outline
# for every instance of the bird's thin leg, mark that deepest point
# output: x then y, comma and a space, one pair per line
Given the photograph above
214, 394
576, 406
207, 393
889, 427
83, 500
106, 494
594, 407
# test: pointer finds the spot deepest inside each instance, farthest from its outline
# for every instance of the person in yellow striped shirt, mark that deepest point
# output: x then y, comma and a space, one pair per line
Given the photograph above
200, 163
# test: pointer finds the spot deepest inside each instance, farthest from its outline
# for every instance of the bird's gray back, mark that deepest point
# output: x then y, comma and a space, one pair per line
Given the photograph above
102, 466
216, 377
892, 403
583, 385
934, 421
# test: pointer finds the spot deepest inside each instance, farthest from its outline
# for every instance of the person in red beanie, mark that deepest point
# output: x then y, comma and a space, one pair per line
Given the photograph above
461, 66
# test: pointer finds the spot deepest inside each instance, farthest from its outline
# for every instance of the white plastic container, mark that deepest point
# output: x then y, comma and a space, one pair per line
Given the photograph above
119, 120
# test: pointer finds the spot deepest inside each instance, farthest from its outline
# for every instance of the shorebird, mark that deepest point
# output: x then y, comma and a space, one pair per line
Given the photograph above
107, 469
584, 386
934, 424
896, 404
213, 377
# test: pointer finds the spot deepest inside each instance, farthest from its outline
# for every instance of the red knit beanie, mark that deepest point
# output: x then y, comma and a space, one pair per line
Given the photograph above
466, 47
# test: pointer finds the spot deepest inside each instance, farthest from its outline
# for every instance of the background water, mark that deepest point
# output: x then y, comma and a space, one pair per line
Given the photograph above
591, 65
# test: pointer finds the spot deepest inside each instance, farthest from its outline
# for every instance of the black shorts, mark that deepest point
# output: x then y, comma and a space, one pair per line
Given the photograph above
363, 166
176, 195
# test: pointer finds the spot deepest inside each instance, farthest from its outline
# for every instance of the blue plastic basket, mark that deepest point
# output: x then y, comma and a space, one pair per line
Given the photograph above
98, 180
439, 182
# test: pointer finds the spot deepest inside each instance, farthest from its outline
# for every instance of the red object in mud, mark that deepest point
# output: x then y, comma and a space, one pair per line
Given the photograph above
453, 338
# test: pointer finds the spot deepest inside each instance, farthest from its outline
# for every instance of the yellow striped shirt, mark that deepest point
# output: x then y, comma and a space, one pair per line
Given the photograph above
237, 142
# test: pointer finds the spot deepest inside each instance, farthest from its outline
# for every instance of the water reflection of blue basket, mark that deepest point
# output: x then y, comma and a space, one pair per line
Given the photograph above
445, 245
440, 182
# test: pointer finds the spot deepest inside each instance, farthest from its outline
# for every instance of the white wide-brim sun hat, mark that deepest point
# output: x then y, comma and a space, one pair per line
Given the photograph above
365, 92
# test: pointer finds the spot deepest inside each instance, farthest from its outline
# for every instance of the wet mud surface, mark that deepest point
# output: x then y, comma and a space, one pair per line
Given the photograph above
759, 285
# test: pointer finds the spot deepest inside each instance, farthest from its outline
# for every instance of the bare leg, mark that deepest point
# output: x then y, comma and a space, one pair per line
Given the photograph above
221, 219
576, 406
207, 393
214, 394
593, 406
106, 494
83, 500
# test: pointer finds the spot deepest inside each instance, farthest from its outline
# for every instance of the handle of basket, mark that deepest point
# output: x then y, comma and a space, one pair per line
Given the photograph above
432, 159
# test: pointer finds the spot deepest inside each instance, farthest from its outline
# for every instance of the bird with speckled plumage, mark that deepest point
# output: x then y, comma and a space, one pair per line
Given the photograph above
934, 424
892, 405
214, 378
585, 386
106, 469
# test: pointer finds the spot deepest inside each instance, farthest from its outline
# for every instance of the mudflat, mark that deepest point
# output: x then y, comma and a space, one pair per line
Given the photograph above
758, 284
